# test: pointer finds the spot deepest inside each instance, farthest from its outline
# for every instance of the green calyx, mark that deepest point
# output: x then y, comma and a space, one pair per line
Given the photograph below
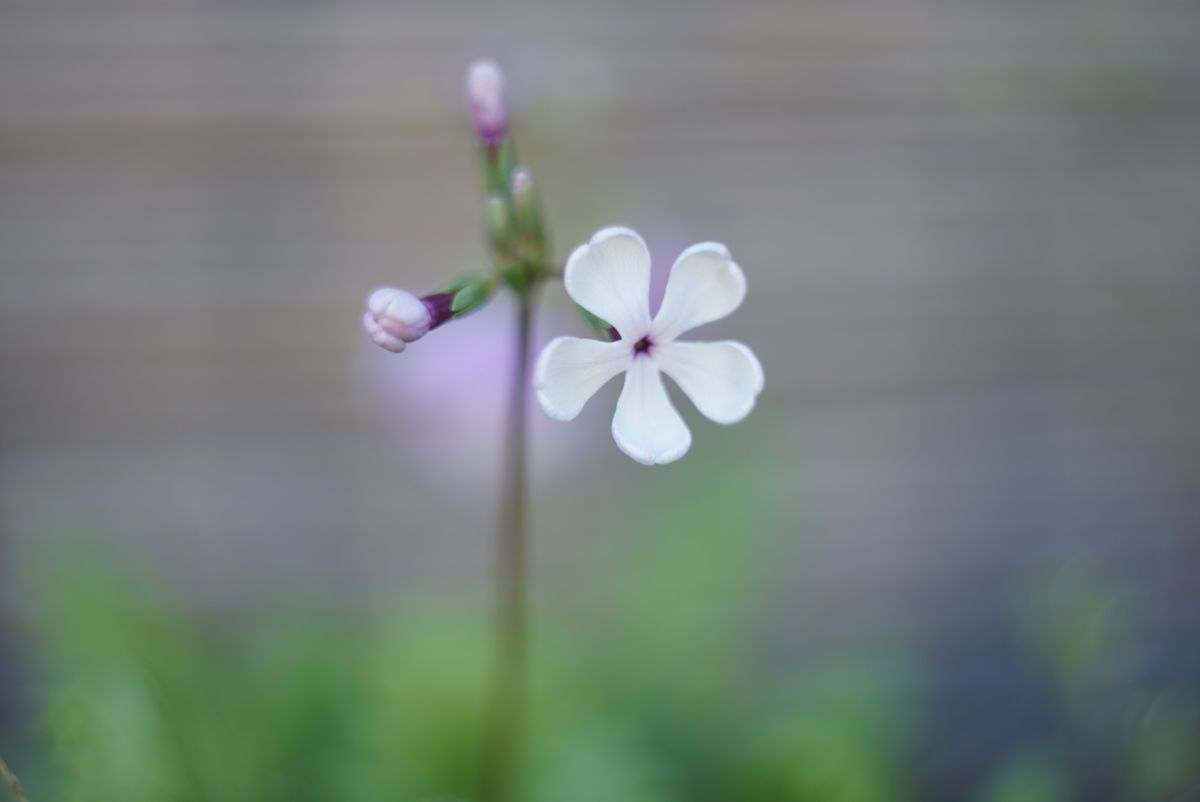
472, 296
467, 293
516, 236
497, 163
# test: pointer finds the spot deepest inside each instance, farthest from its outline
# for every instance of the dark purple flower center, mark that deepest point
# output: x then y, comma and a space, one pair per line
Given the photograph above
643, 346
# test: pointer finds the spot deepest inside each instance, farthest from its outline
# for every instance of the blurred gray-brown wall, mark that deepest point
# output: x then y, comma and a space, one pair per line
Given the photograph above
972, 232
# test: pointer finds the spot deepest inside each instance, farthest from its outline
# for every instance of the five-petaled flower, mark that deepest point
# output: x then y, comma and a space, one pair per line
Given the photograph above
610, 277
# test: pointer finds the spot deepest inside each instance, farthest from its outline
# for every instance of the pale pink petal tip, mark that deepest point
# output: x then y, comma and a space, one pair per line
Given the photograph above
395, 317
485, 95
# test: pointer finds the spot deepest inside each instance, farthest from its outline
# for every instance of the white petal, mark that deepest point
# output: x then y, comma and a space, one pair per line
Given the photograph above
723, 378
610, 277
380, 337
571, 370
705, 285
646, 426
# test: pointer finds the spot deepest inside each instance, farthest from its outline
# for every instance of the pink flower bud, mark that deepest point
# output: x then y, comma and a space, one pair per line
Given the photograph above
521, 184
524, 203
395, 317
485, 94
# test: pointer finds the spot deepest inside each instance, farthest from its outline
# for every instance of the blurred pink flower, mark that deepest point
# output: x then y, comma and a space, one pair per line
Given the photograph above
446, 402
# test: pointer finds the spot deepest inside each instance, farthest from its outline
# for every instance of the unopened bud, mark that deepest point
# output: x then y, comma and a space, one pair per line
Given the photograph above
525, 202
395, 317
521, 184
497, 221
485, 94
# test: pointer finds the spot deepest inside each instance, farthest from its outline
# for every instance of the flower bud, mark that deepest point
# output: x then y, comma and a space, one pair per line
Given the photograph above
521, 183
395, 317
485, 94
525, 205
497, 221
526, 209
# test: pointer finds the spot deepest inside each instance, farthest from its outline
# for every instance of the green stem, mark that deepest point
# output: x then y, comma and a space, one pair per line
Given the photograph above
506, 712
12, 782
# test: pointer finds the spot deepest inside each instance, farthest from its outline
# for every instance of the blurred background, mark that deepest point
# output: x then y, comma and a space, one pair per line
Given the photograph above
953, 555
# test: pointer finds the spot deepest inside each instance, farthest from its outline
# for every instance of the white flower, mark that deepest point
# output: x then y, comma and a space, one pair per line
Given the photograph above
610, 277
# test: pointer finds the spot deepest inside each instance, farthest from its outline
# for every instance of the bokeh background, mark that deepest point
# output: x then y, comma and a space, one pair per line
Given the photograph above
953, 555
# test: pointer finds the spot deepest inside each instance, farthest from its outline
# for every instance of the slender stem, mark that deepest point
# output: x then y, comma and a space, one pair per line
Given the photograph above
12, 782
507, 706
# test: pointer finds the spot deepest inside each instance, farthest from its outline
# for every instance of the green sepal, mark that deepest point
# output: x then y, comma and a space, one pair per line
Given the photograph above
497, 164
506, 160
497, 220
601, 327
472, 295
456, 284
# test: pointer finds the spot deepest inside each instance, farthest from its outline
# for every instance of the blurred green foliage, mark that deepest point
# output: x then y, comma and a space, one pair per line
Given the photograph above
648, 683
1031, 775
147, 704
1134, 743
1164, 749
653, 680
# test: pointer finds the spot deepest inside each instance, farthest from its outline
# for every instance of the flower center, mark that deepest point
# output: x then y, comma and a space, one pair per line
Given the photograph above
643, 346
